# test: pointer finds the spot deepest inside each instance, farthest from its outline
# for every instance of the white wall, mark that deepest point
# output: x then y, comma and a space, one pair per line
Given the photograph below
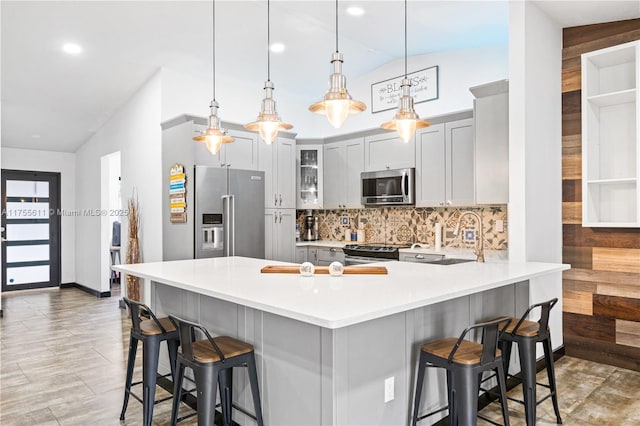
535, 149
240, 102
134, 130
58, 162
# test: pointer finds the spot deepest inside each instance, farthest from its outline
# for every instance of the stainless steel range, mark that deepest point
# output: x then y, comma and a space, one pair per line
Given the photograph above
358, 254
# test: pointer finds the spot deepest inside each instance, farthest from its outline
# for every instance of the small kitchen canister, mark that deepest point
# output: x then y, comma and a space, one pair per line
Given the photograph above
361, 235
347, 234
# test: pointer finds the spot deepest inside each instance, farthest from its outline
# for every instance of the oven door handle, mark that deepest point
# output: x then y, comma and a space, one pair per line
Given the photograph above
355, 260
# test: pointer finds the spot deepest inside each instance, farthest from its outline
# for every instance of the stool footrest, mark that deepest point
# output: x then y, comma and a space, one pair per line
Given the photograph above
424, 416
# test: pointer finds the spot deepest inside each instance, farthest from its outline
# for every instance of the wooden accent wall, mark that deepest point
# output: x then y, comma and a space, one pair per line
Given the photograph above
601, 306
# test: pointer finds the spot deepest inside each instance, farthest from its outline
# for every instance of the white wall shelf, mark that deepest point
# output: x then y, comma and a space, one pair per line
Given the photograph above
610, 135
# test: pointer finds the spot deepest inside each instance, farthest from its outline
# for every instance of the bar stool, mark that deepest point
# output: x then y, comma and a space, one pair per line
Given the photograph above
465, 361
151, 332
212, 361
526, 334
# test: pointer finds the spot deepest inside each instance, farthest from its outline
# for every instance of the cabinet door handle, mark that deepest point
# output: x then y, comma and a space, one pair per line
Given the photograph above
332, 250
441, 203
275, 218
448, 202
280, 199
280, 215
275, 199
419, 256
222, 165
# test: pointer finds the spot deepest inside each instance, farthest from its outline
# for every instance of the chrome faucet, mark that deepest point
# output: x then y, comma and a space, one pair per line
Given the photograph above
479, 250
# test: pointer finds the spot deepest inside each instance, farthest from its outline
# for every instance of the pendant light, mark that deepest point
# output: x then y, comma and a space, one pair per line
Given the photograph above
268, 123
406, 120
337, 103
214, 136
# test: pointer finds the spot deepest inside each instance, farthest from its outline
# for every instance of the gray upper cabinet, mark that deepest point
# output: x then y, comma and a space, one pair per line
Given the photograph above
445, 164
278, 161
240, 154
344, 161
387, 151
491, 131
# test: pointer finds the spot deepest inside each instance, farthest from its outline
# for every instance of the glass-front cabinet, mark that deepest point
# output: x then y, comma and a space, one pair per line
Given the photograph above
309, 176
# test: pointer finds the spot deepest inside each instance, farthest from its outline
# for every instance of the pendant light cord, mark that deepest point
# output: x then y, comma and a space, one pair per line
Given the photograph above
268, 40
405, 39
213, 31
336, 26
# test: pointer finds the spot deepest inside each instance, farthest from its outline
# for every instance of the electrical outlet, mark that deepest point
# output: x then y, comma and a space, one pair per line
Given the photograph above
500, 225
389, 389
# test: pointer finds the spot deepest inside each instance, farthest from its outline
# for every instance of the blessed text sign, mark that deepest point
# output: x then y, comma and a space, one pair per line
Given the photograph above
424, 87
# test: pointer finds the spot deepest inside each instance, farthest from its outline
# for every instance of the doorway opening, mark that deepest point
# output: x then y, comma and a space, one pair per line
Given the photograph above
111, 218
31, 224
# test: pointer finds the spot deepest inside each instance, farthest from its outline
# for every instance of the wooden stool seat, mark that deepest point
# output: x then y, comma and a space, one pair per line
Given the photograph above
527, 328
150, 327
468, 353
230, 347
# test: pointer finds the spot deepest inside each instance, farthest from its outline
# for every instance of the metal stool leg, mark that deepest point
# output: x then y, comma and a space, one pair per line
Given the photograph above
451, 399
177, 392
133, 349
172, 347
419, 382
225, 379
502, 387
548, 356
505, 347
527, 350
466, 396
150, 355
207, 387
255, 389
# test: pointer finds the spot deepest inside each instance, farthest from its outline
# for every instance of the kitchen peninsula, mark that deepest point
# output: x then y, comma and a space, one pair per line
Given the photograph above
326, 345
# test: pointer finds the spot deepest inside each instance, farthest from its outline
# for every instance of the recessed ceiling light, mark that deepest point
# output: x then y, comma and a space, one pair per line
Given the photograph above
355, 11
35, 136
72, 48
277, 47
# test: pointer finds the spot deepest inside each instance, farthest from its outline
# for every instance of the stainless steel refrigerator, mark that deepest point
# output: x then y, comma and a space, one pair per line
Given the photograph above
229, 212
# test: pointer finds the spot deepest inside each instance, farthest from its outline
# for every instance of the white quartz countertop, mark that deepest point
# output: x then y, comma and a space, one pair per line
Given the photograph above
334, 302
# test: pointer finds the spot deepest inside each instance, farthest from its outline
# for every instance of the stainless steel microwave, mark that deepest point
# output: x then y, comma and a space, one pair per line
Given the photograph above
388, 187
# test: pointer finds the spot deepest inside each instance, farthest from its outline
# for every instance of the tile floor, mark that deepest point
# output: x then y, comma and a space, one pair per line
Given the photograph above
63, 359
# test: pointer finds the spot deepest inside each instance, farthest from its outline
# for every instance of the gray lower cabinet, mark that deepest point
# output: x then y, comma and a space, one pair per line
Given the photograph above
328, 255
280, 234
301, 254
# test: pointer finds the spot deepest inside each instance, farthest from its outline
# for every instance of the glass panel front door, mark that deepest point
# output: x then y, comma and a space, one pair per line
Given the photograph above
31, 251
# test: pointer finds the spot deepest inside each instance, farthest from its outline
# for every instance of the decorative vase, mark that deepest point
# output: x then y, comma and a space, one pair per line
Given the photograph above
133, 282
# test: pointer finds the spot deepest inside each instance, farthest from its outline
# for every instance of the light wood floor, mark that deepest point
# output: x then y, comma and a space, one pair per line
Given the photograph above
63, 360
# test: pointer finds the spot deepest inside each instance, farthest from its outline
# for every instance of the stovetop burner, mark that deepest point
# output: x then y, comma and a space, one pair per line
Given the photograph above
370, 250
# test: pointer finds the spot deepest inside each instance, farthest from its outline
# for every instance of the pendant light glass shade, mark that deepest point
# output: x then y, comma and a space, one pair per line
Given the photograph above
406, 120
268, 123
337, 104
214, 136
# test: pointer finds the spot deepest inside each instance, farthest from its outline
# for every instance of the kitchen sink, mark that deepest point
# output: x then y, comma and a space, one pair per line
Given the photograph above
450, 261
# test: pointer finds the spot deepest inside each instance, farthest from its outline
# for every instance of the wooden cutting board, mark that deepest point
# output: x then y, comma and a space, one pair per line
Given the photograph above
294, 269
